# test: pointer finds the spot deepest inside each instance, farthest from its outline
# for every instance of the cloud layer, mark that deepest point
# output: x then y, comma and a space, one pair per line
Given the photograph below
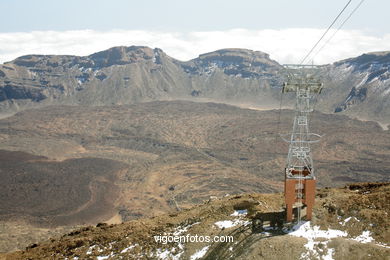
284, 45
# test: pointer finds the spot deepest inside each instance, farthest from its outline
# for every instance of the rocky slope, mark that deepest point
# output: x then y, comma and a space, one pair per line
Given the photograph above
149, 158
54, 193
127, 75
348, 223
360, 87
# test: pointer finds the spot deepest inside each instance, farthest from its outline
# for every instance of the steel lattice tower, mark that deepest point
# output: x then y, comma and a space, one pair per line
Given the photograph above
300, 180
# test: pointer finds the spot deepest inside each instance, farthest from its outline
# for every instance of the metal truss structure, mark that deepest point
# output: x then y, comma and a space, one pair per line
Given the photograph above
299, 172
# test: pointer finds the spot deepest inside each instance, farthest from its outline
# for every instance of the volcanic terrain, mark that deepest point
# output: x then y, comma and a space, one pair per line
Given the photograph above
348, 223
73, 165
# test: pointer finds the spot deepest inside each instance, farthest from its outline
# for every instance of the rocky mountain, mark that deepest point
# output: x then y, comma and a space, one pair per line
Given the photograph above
348, 223
109, 140
360, 87
101, 78
234, 62
125, 75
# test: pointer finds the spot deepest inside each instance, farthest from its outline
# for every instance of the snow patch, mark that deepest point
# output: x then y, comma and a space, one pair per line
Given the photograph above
90, 249
225, 224
239, 213
105, 256
236, 222
155, 55
382, 245
374, 79
199, 254
230, 223
311, 233
182, 229
329, 254
363, 81
364, 238
128, 248
347, 220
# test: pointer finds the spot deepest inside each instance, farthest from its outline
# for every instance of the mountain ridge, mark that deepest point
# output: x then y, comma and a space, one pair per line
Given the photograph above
358, 87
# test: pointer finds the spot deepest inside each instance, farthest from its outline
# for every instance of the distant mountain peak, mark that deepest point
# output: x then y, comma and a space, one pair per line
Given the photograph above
382, 57
233, 62
235, 55
123, 55
245, 53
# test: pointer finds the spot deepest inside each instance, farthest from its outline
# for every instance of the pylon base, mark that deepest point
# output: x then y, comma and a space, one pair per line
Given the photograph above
291, 191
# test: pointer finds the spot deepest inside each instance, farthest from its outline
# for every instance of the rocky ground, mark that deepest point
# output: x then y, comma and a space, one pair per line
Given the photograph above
348, 223
52, 193
157, 157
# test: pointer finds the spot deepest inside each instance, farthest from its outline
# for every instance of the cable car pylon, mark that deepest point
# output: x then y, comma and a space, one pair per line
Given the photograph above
300, 180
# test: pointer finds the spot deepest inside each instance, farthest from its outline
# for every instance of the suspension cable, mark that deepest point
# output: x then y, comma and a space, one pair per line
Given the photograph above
327, 30
338, 29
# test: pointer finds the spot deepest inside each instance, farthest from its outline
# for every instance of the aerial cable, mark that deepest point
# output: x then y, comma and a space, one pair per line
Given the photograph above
338, 29
342, 24
280, 114
327, 30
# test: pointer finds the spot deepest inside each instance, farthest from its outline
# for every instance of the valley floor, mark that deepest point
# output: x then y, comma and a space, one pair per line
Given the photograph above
67, 166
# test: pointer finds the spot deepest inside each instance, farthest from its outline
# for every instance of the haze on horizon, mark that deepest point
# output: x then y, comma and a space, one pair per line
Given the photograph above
284, 29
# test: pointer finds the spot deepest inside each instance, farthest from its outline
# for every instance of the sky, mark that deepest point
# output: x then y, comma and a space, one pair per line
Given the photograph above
285, 29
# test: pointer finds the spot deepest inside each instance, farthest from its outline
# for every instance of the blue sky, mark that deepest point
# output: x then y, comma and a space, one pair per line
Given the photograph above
285, 29
183, 16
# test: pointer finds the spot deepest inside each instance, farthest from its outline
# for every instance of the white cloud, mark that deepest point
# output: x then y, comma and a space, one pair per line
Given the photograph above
284, 45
